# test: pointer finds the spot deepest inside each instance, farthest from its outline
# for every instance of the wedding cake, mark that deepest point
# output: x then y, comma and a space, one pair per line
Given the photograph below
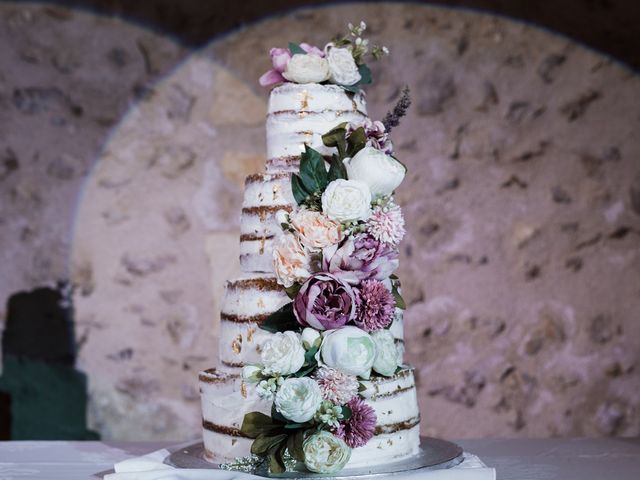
310, 373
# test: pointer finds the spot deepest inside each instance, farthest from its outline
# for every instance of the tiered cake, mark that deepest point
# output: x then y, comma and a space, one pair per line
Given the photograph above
318, 379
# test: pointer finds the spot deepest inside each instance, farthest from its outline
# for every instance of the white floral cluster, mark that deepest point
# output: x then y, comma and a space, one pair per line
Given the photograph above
339, 62
349, 350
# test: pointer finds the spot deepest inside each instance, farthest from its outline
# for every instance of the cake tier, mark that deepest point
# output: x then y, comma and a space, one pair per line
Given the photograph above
264, 195
247, 302
226, 399
299, 114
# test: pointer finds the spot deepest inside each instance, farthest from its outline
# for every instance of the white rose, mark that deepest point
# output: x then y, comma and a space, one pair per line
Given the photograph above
325, 453
298, 399
347, 200
309, 337
251, 373
282, 354
344, 70
307, 68
350, 350
315, 230
386, 361
291, 263
381, 172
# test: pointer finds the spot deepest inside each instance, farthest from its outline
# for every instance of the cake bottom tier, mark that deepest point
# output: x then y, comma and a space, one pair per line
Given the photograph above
226, 399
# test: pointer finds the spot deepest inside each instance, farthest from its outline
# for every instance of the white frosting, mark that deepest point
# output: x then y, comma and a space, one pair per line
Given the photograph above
288, 133
225, 402
224, 405
260, 223
385, 448
394, 400
301, 114
269, 190
245, 299
257, 255
313, 97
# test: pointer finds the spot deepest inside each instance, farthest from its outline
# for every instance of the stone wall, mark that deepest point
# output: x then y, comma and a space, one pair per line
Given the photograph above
122, 157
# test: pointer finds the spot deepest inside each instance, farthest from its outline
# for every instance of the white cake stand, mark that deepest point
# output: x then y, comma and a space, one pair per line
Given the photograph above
434, 454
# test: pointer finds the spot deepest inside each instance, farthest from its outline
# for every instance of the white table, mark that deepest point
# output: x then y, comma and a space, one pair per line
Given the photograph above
522, 459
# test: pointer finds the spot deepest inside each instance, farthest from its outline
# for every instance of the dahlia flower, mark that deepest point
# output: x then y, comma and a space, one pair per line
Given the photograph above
359, 428
376, 306
336, 386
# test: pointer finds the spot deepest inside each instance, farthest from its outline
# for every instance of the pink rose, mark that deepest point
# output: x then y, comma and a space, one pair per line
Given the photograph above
290, 260
315, 230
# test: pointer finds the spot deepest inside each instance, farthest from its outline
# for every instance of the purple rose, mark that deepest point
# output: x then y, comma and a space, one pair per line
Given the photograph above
325, 302
360, 258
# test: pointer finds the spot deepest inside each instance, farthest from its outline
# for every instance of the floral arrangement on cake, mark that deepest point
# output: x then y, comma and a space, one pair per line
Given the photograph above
341, 62
336, 258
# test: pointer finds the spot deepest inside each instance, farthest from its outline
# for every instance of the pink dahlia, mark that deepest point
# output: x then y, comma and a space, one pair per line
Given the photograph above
376, 306
359, 428
386, 224
336, 386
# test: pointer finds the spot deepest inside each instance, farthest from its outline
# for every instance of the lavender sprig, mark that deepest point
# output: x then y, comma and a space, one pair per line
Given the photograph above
392, 118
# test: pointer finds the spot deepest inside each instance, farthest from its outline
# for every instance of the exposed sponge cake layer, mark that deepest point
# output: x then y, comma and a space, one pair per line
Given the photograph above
299, 114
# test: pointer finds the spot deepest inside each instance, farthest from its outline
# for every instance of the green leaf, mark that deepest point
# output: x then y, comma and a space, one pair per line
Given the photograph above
299, 192
309, 356
256, 423
293, 290
276, 415
365, 74
313, 172
281, 320
397, 297
336, 137
361, 387
276, 460
305, 371
294, 445
294, 48
337, 169
351, 88
346, 413
265, 443
356, 141
295, 426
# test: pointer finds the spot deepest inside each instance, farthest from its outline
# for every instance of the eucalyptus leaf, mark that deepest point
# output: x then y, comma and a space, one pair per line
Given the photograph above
295, 49
281, 320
